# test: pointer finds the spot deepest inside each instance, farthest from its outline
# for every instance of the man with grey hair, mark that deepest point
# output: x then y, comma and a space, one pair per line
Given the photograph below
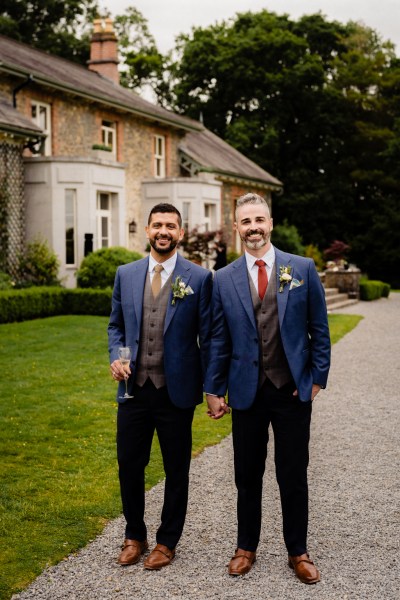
270, 350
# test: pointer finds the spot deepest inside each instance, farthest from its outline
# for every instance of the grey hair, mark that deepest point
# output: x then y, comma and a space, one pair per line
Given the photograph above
250, 199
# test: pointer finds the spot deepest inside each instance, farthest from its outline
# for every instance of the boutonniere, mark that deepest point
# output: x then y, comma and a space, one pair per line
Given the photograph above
180, 289
284, 276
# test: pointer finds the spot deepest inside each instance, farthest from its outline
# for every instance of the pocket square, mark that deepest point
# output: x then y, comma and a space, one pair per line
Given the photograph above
295, 283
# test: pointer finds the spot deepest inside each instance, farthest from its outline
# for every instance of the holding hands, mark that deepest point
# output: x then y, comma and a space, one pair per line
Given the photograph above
217, 407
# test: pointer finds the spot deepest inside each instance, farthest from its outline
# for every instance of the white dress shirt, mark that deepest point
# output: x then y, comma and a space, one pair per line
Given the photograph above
268, 258
168, 267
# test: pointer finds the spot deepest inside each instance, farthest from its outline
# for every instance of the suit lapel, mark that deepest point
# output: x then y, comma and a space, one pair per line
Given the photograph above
282, 259
240, 280
139, 274
182, 270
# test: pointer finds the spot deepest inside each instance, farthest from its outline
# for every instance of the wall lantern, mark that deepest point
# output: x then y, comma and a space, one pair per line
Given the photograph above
132, 227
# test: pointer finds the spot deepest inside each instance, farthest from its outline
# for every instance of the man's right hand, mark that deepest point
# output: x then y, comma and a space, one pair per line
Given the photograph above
217, 407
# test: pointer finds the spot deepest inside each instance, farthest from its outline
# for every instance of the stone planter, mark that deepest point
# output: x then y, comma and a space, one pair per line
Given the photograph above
103, 154
346, 280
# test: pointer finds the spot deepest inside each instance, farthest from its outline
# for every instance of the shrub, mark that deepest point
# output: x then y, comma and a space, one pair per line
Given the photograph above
38, 265
287, 238
6, 283
372, 290
87, 302
198, 245
98, 269
315, 253
231, 256
39, 302
385, 290
31, 303
337, 252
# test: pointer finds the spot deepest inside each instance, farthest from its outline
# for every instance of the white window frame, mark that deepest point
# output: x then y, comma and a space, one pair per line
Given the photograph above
186, 210
210, 216
159, 156
109, 135
42, 119
70, 194
101, 214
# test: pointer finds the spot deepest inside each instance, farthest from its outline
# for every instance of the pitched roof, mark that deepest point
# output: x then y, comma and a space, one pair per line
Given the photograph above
212, 154
11, 121
23, 60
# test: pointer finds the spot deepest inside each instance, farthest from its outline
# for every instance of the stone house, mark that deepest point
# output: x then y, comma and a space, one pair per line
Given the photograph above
83, 159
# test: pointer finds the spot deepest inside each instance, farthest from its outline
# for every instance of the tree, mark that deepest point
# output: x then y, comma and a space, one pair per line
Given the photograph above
143, 64
313, 101
60, 28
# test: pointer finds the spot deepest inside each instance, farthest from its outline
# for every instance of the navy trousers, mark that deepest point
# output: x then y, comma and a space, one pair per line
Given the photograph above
152, 410
290, 420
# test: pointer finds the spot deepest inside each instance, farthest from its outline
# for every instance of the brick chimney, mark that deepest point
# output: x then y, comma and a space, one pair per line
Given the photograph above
104, 50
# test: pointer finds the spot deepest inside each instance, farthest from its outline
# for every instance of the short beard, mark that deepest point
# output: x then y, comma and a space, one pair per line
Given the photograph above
172, 245
256, 245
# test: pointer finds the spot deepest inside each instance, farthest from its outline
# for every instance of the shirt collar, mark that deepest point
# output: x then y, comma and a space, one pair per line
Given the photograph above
169, 264
268, 258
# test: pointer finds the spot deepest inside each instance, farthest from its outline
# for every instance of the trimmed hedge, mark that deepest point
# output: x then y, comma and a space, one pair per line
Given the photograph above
372, 290
39, 302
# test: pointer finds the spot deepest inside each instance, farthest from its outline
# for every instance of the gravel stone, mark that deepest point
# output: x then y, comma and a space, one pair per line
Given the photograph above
354, 494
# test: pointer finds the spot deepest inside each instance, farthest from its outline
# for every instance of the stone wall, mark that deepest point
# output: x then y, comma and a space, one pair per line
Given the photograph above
346, 280
76, 126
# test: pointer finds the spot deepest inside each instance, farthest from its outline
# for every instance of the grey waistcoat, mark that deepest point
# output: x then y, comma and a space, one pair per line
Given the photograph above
151, 346
273, 362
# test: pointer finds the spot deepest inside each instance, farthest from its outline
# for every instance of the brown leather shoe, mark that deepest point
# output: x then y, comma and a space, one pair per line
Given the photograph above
304, 568
242, 562
132, 551
160, 557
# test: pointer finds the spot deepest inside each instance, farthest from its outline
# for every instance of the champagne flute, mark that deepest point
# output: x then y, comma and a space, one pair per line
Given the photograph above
125, 355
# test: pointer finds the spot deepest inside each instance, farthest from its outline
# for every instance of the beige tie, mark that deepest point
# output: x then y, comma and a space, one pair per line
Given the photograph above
156, 282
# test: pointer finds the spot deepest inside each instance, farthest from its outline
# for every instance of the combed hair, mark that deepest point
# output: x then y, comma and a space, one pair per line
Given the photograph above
251, 199
163, 207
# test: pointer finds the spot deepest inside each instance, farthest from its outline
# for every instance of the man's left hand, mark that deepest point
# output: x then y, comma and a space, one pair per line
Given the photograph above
315, 389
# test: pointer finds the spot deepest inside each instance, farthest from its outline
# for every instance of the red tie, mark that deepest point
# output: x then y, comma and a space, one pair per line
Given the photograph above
262, 278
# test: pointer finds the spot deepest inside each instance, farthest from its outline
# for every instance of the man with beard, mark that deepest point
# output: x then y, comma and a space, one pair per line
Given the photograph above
270, 349
161, 310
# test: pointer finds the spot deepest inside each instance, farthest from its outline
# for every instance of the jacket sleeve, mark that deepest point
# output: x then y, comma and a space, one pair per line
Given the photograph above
116, 325
318, 329
204, 320
216, 381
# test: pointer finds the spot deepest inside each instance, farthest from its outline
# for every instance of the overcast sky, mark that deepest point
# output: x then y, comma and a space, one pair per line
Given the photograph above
168, 18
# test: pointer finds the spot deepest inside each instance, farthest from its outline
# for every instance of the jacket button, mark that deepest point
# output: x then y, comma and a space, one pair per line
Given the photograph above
255, 363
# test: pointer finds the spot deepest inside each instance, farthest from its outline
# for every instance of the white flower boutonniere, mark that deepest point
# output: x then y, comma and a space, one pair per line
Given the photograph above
180, 289
284, 276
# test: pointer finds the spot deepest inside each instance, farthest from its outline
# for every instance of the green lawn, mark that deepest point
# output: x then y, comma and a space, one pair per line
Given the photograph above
58, 470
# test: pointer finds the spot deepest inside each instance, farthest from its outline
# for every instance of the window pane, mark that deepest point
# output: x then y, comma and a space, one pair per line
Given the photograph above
104, 227
70, 227
104, 202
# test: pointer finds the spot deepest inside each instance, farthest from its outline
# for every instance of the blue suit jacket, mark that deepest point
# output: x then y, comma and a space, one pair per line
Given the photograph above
234, 350
186, 327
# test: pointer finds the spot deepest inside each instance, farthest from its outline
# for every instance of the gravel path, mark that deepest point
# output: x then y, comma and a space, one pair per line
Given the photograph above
354, 489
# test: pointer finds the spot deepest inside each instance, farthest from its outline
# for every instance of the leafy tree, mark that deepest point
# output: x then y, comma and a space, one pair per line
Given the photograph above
143, 65
60, 28
316, 103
